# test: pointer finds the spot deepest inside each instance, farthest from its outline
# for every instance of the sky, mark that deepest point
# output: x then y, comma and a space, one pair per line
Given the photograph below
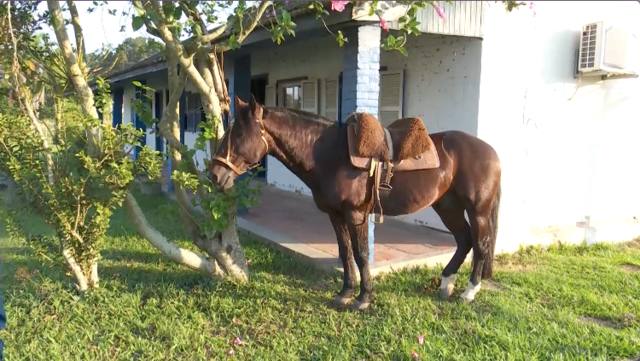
99, 27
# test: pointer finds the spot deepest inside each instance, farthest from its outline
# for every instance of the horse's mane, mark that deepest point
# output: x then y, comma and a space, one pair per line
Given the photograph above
302, 115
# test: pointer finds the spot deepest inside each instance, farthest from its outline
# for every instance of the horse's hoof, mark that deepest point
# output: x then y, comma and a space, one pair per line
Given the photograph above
447, 285
445, 293
360, 305
466, 298
469, 294
341, 301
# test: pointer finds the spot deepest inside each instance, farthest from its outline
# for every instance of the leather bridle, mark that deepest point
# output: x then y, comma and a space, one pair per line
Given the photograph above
227, 159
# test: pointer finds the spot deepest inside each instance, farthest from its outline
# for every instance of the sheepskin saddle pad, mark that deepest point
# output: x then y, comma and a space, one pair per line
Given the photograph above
411, 144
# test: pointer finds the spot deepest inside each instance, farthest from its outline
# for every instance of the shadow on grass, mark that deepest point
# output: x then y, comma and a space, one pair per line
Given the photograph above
130, 262
121, 255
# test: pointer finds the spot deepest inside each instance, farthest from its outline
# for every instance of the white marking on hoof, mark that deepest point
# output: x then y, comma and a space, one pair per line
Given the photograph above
447, 285
469, 294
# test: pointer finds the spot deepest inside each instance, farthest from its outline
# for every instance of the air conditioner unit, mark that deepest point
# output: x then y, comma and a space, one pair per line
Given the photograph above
607, 50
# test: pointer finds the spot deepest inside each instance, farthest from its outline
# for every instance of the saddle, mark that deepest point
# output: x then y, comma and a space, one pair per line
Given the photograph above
405, 145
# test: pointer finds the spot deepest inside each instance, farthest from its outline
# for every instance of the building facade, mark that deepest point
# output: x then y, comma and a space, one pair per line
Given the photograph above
566, 142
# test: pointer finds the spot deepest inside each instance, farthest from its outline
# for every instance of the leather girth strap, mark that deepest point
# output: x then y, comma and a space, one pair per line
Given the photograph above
376, 173
382, 173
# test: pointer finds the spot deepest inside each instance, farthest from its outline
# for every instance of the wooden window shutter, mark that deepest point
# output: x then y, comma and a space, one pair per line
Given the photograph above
391, 96
331, 99
270, 96
310, 96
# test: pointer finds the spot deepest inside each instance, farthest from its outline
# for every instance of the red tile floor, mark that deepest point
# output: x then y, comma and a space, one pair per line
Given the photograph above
291, 222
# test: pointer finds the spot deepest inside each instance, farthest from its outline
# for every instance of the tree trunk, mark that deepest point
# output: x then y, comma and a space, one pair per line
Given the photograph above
226, 249
74, 69
73, 66
82, 280
180, 255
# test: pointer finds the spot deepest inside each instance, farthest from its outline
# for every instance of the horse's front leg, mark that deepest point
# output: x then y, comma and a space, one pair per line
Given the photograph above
346, 256
359, 241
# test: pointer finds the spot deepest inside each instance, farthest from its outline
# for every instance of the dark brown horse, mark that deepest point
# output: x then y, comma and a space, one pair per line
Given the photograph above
315, 149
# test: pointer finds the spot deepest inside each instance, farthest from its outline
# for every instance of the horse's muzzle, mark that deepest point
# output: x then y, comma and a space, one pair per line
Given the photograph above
222, 176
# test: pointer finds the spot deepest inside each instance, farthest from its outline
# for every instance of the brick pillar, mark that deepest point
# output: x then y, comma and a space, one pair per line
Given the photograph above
361, 83
361, 71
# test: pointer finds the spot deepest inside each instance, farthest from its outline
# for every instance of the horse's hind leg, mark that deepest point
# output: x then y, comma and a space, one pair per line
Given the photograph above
346, 256
480, 227
451, 211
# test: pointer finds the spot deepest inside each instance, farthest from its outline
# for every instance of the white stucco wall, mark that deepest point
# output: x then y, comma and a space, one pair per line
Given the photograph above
297, 58
441, 81
441, 86
200, 156
568, 147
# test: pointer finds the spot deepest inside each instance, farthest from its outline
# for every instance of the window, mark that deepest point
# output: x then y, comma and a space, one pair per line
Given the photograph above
291, 96
301, 94
194, 112
331, 98
391, 96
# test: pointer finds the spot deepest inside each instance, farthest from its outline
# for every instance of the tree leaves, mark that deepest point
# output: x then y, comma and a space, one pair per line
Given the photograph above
137, 22
82, 190
283, 26
341, 39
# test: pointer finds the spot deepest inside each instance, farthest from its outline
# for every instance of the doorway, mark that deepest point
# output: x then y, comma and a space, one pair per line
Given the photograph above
259, 87
259, 91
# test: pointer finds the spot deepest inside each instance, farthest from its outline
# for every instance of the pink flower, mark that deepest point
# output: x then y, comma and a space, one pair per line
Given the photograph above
237, 341
415, 356
384, 25
421, 340
339, 5
438, 10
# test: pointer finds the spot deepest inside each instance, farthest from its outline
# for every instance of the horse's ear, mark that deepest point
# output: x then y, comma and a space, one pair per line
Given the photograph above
239, 103
256, 109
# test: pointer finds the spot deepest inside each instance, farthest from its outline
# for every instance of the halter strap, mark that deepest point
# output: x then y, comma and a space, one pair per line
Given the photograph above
227, 160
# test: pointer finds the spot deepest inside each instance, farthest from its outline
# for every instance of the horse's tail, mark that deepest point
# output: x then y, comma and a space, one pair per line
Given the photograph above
487, 269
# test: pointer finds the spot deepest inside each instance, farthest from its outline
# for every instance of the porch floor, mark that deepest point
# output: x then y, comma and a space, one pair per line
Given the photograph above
291, 222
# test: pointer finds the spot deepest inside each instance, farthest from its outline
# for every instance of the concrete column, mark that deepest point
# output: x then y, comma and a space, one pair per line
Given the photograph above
361, 83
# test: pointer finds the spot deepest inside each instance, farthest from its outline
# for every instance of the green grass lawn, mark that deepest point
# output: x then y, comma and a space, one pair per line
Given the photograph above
566, 303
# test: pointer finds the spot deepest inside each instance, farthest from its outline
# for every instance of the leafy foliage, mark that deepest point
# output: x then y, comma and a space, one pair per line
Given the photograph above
74, 191
213, 201
130, 51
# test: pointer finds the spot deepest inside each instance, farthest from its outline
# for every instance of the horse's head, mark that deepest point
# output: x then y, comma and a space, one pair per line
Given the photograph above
243, 145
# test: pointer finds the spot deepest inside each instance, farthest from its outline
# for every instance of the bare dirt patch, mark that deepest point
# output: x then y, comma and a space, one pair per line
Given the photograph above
630, 267
492, 286
600, 322
515, 266
23, 274
634, 244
